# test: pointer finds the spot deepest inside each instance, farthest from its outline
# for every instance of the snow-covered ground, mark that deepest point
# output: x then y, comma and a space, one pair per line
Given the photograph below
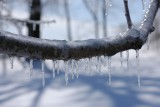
91, 89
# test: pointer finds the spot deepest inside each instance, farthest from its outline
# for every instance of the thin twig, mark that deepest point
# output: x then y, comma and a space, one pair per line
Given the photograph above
127, 14
27, 20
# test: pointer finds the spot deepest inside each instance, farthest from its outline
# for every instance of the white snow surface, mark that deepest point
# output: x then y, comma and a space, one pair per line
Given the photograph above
91, 89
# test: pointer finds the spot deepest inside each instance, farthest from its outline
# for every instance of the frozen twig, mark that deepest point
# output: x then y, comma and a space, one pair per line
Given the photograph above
127, 14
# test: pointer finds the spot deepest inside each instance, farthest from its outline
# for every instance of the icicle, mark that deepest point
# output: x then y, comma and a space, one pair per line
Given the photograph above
34, 26
11, 61
127, 59
138, 71
121, 58
31, 67
86, 64
66, 72
43, 73
98, 65
54, 69
76, 64
148, 44
72, 68
109, 69
57, 69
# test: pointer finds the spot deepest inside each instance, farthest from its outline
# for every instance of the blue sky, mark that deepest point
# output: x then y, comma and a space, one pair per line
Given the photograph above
82, 21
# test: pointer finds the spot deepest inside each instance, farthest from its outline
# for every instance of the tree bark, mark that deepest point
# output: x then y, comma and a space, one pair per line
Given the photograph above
35, 14
104, 16
68, 18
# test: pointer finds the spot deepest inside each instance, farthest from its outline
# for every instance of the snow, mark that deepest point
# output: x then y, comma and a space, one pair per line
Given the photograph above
17, 89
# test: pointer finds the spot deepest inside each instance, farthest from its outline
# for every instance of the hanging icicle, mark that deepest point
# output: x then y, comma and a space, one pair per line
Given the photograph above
66, 72
11, 61
58, 64
43, 73
138, 70
109, 70
148, 44
72, 68
98, 65
127, 59
76, 65
121, 59
54, 69
31, 66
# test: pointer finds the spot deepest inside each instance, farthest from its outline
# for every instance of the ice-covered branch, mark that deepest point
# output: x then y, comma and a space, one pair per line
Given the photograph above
35, 48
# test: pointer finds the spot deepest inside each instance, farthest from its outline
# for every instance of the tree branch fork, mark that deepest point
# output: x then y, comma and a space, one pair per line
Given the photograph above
34, 48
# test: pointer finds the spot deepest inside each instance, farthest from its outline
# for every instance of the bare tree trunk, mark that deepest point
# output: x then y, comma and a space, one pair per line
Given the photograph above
67, 13
96, 27
95, 18
104, 16
35, 14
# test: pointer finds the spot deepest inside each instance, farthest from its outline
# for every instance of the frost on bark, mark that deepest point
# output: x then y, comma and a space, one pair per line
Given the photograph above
35, 48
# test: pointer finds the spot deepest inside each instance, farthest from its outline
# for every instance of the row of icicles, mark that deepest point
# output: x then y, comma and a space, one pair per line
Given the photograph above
73, 66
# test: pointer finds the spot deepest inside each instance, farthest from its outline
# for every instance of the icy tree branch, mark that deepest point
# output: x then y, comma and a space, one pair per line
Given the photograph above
35, 48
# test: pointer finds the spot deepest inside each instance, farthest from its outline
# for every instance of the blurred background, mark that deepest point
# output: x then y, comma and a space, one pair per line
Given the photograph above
78, 20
